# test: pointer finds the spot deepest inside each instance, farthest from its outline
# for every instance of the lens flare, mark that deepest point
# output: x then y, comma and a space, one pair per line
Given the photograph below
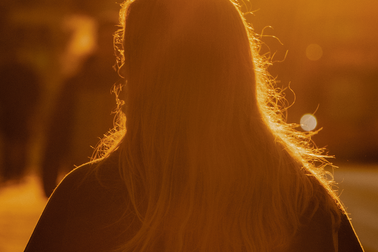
308, 122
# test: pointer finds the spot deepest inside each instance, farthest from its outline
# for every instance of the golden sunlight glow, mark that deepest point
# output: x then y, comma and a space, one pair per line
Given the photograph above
308, 122
83, 37
82, 42
314, 52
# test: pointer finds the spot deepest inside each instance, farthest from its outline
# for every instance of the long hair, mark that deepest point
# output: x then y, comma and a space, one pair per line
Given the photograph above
207, 158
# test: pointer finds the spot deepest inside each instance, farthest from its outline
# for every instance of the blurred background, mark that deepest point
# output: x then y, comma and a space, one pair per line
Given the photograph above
56, 78
332, 66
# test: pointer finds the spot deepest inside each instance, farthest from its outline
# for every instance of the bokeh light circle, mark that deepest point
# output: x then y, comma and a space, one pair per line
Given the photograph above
314, 52
308, 122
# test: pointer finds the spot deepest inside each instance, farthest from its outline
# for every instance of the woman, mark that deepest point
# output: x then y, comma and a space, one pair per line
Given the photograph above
207, 163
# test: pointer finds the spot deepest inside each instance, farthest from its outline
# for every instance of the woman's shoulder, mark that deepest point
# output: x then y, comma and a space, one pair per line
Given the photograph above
325, 225
102, 174
85, 212
95, 188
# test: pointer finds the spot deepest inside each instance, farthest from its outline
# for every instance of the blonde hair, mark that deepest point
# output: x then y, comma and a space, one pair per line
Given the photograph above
208, 160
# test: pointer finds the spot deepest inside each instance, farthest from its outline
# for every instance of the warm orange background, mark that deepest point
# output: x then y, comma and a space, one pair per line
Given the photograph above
331, 64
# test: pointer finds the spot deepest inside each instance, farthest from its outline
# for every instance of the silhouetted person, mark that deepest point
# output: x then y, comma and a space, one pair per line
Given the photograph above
19, 96
205, 161
82, 114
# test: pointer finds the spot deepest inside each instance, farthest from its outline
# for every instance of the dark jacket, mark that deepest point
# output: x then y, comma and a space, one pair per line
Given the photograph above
87, 213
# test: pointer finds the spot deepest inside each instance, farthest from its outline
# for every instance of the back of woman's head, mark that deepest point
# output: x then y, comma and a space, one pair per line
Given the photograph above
205, 159
190, 57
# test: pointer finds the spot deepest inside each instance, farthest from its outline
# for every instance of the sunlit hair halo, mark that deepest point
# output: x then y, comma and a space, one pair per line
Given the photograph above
208, 160
271, 98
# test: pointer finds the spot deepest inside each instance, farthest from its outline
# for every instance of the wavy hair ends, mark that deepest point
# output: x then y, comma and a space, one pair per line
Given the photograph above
208, 160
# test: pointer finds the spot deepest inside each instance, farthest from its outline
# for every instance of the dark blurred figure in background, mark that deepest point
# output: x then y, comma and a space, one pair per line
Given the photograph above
20, 92
82, 112
19, 96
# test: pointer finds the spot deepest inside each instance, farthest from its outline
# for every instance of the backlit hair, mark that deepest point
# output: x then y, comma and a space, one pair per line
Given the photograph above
207, 158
